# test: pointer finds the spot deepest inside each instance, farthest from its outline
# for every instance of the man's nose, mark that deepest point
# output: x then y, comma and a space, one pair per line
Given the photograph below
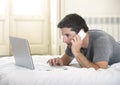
65, 39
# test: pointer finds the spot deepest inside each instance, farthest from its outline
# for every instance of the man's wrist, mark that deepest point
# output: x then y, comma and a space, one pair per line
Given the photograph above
77, 54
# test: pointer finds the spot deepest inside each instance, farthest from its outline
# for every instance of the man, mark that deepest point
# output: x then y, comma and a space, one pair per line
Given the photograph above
98, 49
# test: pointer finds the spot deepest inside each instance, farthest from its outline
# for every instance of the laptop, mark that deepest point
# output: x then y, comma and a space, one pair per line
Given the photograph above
21, 52
22, 55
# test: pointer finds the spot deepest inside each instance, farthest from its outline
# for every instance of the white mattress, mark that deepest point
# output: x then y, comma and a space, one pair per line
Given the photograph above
10, 74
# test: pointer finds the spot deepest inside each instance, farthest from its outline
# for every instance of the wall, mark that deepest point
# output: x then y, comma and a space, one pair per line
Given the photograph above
92, 7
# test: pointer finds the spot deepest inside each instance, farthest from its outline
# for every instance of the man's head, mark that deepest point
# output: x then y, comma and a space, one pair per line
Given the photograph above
70, 25
73, 21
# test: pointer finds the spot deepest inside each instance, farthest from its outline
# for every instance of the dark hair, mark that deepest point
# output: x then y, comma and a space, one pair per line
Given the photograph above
73, 21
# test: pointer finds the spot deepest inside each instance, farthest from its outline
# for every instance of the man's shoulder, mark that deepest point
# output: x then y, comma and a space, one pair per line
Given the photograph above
99, 33
96, 31
99, 36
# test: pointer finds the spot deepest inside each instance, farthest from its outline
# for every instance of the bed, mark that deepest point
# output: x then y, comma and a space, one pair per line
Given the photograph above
10, 74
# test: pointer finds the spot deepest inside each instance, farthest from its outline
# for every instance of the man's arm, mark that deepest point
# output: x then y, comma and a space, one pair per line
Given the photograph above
84, 62
66, 59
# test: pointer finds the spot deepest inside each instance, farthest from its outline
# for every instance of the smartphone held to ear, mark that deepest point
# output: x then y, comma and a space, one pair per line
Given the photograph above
82, 34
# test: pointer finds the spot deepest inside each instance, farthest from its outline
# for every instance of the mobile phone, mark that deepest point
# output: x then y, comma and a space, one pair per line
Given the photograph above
82, 34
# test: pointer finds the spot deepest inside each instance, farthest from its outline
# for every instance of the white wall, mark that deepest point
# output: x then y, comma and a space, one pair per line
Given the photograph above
92, 7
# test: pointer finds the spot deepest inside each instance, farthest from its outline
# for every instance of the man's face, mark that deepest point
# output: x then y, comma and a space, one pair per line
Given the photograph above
67, 36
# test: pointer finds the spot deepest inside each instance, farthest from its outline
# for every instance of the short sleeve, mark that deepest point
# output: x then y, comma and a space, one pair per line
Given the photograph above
69, 52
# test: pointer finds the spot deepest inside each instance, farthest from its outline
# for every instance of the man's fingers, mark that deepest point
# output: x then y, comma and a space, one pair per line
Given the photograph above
55, 61
50, 62
61, 62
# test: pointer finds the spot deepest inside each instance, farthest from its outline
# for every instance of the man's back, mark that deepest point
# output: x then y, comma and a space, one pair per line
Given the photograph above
103, 47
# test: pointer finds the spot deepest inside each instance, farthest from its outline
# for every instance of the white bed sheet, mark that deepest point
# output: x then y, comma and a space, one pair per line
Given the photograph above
10, 74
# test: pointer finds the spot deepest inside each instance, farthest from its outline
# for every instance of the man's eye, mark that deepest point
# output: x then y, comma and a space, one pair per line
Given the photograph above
67, 35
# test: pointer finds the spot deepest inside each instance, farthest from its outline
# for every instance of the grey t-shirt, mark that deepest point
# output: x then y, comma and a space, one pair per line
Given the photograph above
102, 47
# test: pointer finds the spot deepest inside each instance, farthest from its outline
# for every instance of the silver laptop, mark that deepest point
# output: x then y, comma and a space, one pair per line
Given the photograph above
21, 52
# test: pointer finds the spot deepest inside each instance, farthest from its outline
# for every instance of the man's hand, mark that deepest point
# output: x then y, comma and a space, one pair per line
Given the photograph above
76, 45
55, 62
